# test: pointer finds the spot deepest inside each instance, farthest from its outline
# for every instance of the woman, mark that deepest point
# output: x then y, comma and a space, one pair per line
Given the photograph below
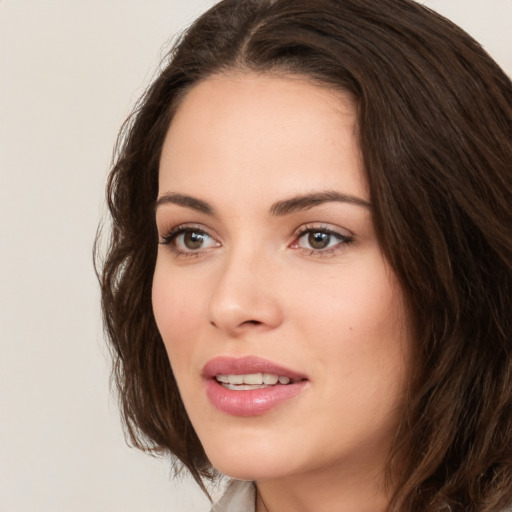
309, 278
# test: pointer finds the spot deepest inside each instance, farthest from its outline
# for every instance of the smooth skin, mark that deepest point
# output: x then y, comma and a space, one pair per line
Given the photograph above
241, 270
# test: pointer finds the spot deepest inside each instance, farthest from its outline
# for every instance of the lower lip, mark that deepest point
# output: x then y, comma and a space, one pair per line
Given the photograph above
251, 402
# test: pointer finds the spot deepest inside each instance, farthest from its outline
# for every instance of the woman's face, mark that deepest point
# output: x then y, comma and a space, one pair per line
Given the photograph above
269, 270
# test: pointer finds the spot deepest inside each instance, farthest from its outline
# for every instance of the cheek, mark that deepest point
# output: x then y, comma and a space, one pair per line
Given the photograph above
380, 343
358, 323
376, 314
176, 307
356, 301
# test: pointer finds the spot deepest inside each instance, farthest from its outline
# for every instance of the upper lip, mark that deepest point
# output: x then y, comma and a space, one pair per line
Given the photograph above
226, 365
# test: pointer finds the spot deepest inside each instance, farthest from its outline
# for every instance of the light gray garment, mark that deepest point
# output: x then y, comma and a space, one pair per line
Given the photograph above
239, 496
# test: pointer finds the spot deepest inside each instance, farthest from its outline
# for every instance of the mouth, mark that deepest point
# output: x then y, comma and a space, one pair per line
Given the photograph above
250, 386
252, 381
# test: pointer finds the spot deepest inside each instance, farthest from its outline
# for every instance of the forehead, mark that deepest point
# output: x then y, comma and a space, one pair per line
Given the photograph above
244, 131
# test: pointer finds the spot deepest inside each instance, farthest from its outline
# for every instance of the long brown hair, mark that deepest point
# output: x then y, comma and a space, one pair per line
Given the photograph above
435, 129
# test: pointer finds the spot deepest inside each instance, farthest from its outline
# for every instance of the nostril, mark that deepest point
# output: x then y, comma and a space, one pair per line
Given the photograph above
253, 322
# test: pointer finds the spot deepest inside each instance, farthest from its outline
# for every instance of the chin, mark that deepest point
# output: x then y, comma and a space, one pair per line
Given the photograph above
245, 464
250, 472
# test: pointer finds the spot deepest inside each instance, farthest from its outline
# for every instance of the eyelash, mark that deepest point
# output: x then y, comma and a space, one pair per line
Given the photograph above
172, 235
343, 241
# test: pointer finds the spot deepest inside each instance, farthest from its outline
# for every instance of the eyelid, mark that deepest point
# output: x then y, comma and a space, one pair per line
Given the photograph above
171, 234
167, 234
344, 236
324, 227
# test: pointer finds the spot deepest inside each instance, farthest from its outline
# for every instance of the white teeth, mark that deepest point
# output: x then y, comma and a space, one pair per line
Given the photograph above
251, 380
243, 387
236, 379
270, 379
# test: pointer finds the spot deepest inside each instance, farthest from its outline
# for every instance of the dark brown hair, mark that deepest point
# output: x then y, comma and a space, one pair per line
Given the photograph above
435, 128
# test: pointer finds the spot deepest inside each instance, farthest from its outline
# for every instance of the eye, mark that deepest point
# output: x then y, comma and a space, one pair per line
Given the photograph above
320, 241
316, 240
189, 240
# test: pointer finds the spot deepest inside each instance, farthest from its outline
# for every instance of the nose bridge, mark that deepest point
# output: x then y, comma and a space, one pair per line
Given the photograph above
244, 296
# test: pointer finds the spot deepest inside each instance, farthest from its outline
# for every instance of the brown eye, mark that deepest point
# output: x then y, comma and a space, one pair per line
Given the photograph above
318, 240
184, 240
193, 240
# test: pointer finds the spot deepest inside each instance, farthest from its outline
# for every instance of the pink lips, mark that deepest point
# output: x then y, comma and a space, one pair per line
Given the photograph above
254, 401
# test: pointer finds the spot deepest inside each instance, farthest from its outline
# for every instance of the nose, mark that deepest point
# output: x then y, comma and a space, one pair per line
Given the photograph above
245, 295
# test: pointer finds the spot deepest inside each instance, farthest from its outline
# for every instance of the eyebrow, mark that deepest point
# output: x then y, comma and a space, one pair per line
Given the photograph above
307, 201
279, 208
186, 201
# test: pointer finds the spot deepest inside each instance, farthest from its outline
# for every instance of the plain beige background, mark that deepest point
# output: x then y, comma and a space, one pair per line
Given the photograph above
69, 73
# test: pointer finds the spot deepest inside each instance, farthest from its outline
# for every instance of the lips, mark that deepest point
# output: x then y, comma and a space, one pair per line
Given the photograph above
250, 386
